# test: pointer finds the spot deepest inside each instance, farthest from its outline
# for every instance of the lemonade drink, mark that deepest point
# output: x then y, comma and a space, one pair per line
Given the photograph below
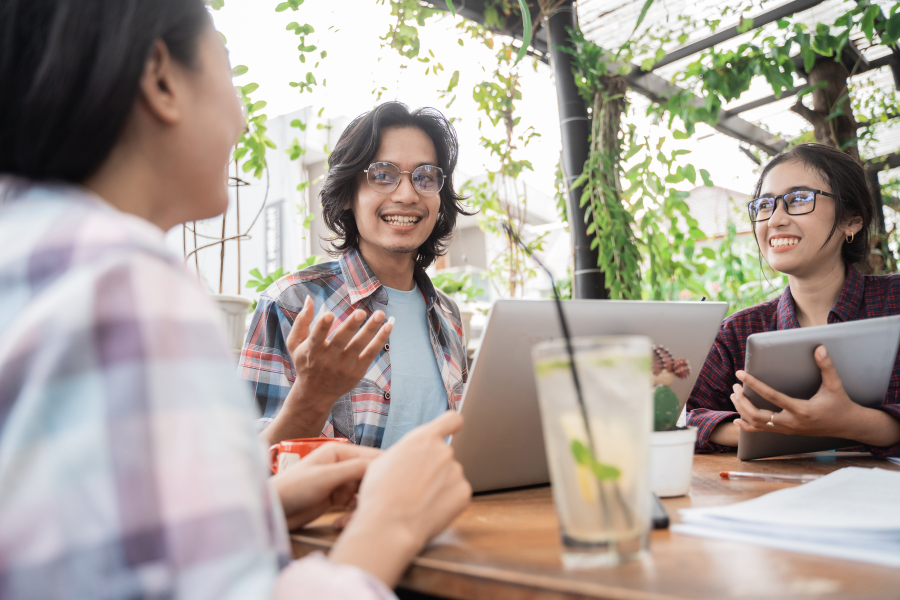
602, 496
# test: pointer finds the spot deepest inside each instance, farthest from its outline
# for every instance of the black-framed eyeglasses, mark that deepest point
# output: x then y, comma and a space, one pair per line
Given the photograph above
384, 178
798, 202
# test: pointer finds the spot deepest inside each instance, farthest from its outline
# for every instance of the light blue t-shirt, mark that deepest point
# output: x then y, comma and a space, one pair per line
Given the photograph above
417, 389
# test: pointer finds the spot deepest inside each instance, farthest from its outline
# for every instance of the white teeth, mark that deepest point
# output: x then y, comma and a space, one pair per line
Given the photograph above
400, 220
780, 242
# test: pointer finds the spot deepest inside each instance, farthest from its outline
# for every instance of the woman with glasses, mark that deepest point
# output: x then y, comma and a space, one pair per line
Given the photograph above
812, 212
130, 464
389, 199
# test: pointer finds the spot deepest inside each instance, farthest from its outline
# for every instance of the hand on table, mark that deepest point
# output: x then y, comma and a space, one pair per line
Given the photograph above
326, 479
326, 369
825, 414
408, 495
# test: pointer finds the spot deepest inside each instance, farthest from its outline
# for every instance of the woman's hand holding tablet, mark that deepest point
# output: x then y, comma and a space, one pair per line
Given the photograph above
830, 412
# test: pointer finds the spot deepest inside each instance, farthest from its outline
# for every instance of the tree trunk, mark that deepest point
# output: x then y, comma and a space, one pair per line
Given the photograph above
619, 256
840, 131
609, 106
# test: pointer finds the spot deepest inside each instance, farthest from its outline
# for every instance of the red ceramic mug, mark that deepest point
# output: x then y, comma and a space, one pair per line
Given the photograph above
287, 452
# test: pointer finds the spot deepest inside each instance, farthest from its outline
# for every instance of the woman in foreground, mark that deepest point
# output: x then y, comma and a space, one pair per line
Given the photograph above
129, 462
811, 212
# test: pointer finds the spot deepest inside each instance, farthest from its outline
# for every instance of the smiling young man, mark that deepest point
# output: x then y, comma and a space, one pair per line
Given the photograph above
389, 200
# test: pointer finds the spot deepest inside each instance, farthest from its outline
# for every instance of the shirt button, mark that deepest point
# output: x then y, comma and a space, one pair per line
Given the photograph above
387, 395
387, 347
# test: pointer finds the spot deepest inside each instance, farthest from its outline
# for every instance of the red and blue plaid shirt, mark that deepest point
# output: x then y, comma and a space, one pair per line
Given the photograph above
862, 297
342, 286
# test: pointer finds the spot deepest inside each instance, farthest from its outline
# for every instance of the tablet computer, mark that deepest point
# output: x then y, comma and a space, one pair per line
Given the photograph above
864, 353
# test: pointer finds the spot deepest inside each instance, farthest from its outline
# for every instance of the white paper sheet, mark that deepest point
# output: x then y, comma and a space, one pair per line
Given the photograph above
853, 513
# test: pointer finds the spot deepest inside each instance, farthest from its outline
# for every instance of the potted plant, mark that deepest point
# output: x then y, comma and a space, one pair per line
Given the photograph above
671, 447
460, 287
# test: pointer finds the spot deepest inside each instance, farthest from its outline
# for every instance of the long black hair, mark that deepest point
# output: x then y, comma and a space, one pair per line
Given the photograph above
847, 179
70, 73
355, 151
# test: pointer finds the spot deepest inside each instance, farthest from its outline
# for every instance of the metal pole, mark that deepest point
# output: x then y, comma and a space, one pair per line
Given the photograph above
588, 278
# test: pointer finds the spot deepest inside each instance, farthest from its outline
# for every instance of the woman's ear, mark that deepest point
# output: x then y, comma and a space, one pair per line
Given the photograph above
159, 86
854, 225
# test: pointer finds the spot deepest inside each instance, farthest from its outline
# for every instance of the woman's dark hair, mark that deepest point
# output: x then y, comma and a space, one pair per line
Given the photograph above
847, 179
70, 72
355, 151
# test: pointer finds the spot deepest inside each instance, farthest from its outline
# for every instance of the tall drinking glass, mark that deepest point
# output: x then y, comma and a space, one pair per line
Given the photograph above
601, 481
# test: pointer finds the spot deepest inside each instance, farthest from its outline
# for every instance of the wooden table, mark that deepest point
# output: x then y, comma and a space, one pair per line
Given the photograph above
506, 546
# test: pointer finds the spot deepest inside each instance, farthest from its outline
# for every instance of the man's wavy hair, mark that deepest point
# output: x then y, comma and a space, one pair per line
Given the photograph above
356, 150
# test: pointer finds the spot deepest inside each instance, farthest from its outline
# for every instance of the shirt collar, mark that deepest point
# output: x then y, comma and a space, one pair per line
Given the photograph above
849, 300
362, 283
845, 308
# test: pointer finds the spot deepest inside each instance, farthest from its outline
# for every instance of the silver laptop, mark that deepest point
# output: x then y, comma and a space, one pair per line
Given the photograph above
501, 444
864, 353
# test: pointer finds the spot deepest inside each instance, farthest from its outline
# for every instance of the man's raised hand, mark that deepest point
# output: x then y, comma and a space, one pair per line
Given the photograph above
325, 368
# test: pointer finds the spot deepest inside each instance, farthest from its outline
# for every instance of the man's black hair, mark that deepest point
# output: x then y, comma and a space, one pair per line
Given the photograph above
70, 72
356, 150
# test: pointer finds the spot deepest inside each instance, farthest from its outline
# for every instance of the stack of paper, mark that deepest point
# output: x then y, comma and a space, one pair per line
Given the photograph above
852, 513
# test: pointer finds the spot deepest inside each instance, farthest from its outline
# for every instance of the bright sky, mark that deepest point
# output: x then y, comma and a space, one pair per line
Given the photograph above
349, 31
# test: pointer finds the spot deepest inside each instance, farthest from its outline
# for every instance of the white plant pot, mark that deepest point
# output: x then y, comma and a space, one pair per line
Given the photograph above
671, 461
466, 317
234, 313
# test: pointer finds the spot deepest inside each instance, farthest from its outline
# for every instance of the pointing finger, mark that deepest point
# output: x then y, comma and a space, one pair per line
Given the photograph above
447, 424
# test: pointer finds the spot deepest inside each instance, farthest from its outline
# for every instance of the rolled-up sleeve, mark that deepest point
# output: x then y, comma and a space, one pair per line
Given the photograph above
709, 403
891, 406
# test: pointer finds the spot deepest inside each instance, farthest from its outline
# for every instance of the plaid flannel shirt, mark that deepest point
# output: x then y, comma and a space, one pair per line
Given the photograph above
862, 297
341, 287
129, 462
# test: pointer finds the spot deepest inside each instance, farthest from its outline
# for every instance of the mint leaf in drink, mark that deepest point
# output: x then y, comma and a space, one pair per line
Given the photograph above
581, 453
605, 472
601, 471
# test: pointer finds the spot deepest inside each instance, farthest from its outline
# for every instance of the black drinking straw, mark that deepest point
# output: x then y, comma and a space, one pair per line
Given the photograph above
581, 404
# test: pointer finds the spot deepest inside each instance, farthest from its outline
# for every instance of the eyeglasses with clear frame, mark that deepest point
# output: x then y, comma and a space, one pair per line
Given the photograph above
798, 202
384, 178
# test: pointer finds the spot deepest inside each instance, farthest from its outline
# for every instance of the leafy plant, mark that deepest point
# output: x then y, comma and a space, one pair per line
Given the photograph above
738, 275
261, 282
644, 232
457, 283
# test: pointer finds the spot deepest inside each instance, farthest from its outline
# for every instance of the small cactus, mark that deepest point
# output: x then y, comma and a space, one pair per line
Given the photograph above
666, 408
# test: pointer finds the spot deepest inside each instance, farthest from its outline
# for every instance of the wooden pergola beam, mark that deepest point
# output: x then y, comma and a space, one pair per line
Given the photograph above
657, 89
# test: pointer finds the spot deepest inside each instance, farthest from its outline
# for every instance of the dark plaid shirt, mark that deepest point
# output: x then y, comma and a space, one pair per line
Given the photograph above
862, 297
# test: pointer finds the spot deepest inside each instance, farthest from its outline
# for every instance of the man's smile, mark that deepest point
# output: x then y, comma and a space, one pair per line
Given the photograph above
406, 220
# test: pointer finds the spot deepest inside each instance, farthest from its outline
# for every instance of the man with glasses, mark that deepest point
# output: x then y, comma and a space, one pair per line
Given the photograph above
389, 200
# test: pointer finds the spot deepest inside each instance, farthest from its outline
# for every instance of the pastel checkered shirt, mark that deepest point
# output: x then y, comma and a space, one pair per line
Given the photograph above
129, 462
862, 297
342, 286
